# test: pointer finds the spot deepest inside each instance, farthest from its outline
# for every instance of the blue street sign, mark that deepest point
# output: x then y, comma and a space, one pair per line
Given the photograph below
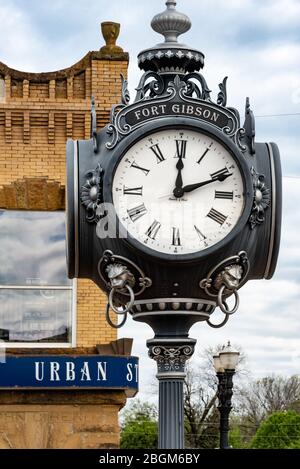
69, 372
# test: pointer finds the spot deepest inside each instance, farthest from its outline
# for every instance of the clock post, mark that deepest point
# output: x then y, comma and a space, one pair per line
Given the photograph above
172, 208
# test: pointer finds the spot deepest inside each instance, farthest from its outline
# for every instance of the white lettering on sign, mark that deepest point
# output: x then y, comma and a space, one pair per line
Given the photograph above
85, 372
136, 368
151, 111
133, 371
54, 368
129, 375
195, 111
70, 371
39, 371
102, 371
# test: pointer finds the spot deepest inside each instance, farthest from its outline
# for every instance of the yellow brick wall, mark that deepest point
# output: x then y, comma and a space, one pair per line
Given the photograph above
38, 113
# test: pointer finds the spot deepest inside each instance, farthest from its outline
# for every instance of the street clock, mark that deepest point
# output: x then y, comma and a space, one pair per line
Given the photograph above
173, 206
179, 189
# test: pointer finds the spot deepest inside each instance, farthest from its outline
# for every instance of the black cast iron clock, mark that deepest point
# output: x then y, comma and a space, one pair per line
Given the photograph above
173, 206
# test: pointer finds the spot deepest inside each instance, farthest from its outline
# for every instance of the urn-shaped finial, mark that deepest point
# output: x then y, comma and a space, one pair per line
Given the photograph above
171, 23
110, 32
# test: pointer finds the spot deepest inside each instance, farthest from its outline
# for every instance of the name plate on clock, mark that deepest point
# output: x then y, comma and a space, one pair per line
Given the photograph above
201, 111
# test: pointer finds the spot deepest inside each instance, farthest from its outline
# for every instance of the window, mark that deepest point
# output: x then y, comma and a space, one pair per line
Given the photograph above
37, 300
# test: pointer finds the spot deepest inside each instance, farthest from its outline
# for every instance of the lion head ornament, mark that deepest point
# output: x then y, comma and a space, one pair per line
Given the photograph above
231, 277
119, 276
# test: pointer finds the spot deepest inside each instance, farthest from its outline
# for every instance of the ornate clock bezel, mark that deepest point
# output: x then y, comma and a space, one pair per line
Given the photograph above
189, 124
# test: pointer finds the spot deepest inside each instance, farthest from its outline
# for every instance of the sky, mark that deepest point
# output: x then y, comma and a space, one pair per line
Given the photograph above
257, 45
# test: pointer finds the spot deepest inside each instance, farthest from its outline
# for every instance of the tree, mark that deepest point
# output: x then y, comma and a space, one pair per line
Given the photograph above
139, 427
280, 430
265, 396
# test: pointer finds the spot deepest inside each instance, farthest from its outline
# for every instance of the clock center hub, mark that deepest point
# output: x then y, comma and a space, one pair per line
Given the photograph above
178, 193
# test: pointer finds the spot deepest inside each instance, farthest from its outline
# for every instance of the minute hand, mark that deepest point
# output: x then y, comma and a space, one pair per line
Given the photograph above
193, 187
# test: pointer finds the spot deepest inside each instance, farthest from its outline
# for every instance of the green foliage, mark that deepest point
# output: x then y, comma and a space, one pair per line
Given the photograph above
210, 437
295, 445
236, 439
139, 429
280, 430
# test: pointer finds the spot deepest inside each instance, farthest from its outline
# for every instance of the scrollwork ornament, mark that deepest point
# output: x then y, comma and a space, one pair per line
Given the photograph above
177, 85
201, 89
239, 137
191, 88
222, 96
113, 132
91, 194
172, 358
261, 201
155, 87
94, 125
125, 91
249, 127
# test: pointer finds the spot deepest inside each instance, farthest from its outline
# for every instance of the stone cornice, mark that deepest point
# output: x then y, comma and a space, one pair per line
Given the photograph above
33, 194
75, 69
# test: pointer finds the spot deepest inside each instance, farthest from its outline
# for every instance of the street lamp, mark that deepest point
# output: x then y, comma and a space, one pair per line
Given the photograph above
225, 364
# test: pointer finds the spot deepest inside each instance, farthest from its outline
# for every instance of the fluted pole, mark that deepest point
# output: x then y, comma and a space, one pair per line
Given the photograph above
171, 356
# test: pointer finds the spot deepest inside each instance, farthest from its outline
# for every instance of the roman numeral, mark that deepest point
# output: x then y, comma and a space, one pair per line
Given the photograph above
145, 171
153, 229
205, 153
133, 191
137, 212
176, 237
217, 216
157, 152
224, 195
200, 234
181, 148
221, 172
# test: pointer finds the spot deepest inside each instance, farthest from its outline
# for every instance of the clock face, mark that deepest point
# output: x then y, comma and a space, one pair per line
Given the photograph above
178, 191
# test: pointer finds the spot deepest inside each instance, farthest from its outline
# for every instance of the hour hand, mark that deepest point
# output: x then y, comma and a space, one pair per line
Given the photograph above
179, 167
179, 182
192, 187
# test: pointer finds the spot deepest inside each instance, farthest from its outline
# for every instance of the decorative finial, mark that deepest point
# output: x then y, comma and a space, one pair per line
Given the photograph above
171, 56
110, 32
171, 23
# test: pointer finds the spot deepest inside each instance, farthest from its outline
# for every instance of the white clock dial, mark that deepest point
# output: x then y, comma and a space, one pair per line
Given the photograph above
178, 191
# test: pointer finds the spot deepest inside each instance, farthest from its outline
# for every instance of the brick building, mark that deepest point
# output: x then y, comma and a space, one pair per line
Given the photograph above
41, 310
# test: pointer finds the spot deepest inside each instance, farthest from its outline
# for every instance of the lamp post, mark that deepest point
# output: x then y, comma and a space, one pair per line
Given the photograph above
225, 364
